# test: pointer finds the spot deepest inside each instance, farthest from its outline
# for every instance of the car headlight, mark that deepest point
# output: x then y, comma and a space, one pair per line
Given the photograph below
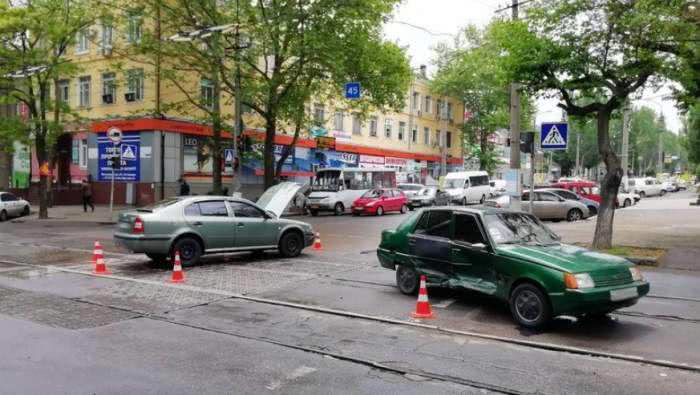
578, 281
636, 274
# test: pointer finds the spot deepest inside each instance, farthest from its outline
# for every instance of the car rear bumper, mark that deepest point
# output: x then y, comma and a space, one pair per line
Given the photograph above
595, 300
143, 244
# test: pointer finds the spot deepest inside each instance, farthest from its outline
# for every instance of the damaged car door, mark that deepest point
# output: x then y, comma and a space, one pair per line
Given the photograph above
472, 261
429, 244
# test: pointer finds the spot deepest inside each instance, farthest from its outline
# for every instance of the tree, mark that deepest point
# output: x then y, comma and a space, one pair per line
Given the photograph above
601, 49
471, 72
692, 143
34, 38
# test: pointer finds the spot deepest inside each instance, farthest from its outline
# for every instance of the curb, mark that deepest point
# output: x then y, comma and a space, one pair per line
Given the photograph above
643, 261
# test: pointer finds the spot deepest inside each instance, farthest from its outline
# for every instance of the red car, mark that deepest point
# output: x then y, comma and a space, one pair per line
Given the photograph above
379, 201
587, 189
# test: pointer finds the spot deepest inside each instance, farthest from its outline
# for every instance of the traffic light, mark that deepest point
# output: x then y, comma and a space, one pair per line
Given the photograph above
527, 142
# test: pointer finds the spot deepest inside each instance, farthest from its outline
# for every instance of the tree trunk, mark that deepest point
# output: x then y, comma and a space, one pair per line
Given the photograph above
484, 145
5, 169
288, 149
269, 149
602, 239
43, 179
216, 149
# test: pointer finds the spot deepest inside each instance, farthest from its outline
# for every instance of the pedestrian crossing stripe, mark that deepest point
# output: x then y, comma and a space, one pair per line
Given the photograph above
128, 153
553, 137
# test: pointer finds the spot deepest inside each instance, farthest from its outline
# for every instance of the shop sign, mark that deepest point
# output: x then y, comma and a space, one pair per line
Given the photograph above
334, 159
396, 161
371, 160
325, 142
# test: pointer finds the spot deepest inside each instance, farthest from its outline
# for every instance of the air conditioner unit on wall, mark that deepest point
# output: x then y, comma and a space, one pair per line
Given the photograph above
130, 97
107, 50
108, 99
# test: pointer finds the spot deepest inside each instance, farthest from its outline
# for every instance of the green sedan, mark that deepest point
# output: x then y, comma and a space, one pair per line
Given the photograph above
512, 256
199, 225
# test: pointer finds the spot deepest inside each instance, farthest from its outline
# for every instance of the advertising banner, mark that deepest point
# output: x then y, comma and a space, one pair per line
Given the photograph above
328, 158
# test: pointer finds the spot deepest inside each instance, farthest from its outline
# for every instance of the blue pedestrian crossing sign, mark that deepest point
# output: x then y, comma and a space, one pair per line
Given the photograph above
228, 155
554, 136
352, 90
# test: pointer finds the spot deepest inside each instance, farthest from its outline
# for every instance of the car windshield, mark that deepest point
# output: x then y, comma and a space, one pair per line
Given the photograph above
372, 193
454, 183
518, 228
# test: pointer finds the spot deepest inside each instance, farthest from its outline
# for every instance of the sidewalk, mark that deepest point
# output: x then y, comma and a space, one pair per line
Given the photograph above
75, 213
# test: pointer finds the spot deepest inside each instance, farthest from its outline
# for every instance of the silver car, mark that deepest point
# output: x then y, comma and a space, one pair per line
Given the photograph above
546, 205
12, 206
200, 225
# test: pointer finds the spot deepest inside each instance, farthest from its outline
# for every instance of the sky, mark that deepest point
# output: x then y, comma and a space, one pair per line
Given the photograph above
444, 18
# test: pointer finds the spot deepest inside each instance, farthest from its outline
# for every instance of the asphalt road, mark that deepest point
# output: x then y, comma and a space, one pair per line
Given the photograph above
327, 322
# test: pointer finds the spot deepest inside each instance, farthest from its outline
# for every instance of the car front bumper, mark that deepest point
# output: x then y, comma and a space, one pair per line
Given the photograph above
309, 239
318, 206
595, 300
364, 210
419, 203
143, 243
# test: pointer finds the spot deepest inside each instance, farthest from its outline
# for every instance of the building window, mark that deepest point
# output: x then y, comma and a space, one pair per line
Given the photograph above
439, 110
373, 126
402, 130
426, 136
106, 41
83, 154
338, 121
63, 91
134, 84
84, 91
416, 100
438, 138
449, 111
207, 93
388, 125
427, 104
356, 124
134, 28
109, 88
448, 139
319, 114
414, 134
83, 43
75, 152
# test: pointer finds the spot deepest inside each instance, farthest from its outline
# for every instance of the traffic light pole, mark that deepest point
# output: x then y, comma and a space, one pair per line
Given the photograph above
111, 187
515, 131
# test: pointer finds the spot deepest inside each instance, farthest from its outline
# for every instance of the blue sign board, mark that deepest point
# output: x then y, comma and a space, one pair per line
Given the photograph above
229, 155
127, 150
554, 136
352, 90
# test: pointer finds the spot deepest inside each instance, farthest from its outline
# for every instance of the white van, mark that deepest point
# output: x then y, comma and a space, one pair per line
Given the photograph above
466, 187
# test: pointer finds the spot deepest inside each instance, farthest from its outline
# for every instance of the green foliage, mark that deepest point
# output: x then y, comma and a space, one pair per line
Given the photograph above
692, 143
471, 71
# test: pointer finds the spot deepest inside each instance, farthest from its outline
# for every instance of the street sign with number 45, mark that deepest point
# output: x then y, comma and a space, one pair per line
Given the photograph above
352, 90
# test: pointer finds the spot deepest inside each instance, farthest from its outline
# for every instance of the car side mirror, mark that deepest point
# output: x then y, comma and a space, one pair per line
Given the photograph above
270, 215
561, 199
479, 246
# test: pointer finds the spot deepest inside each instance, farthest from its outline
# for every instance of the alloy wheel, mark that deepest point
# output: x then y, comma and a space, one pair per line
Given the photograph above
528, 306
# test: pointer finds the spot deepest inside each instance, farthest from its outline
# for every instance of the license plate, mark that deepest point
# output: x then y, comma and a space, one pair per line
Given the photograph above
622, 294
315, 206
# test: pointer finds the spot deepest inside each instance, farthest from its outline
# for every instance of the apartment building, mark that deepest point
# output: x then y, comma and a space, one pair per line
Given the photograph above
421, 142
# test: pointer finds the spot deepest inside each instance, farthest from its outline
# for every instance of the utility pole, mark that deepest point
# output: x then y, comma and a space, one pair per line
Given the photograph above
158, 101
660, 164
236, 170
515, 128
577, 173
625, 139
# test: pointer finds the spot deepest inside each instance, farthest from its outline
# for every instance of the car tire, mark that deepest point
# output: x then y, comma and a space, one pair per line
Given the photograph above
464, 201
338, 209
642, 195
190, 250
529, 306
380, 211
574, 215
404, 208
592, 210
314, 213
627, 203
407, 280
3, 216
25, 211
411, 208
291, 244
663, 192
158, 260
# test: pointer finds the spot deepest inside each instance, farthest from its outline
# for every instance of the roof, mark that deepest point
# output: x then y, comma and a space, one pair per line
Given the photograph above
479, 209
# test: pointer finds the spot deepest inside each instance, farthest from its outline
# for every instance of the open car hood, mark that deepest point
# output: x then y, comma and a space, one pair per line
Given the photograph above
277, 197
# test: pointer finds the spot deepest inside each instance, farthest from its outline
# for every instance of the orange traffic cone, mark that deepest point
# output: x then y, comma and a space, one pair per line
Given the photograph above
317, 242
98, 259
423, 309
178, 275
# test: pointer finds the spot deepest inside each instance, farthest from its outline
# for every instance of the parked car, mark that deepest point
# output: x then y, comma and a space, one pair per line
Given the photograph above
409, 189
582, 188
592, 205
548, 205
626, 199
12, 206
379, 201
498, 187
429, 196
646, 187
511, 256
466, 187
200, 225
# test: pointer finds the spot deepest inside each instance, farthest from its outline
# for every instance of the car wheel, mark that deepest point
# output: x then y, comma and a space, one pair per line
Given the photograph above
464, 201
158, 259
529, 306
574, 215
339, 209
25, 211
592, 210
407, 280
404, 208
627, 203
291, 244
190, 251
3, 216
663, 192
411, 208
380, 211
483, 199
642, 194
314, 213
